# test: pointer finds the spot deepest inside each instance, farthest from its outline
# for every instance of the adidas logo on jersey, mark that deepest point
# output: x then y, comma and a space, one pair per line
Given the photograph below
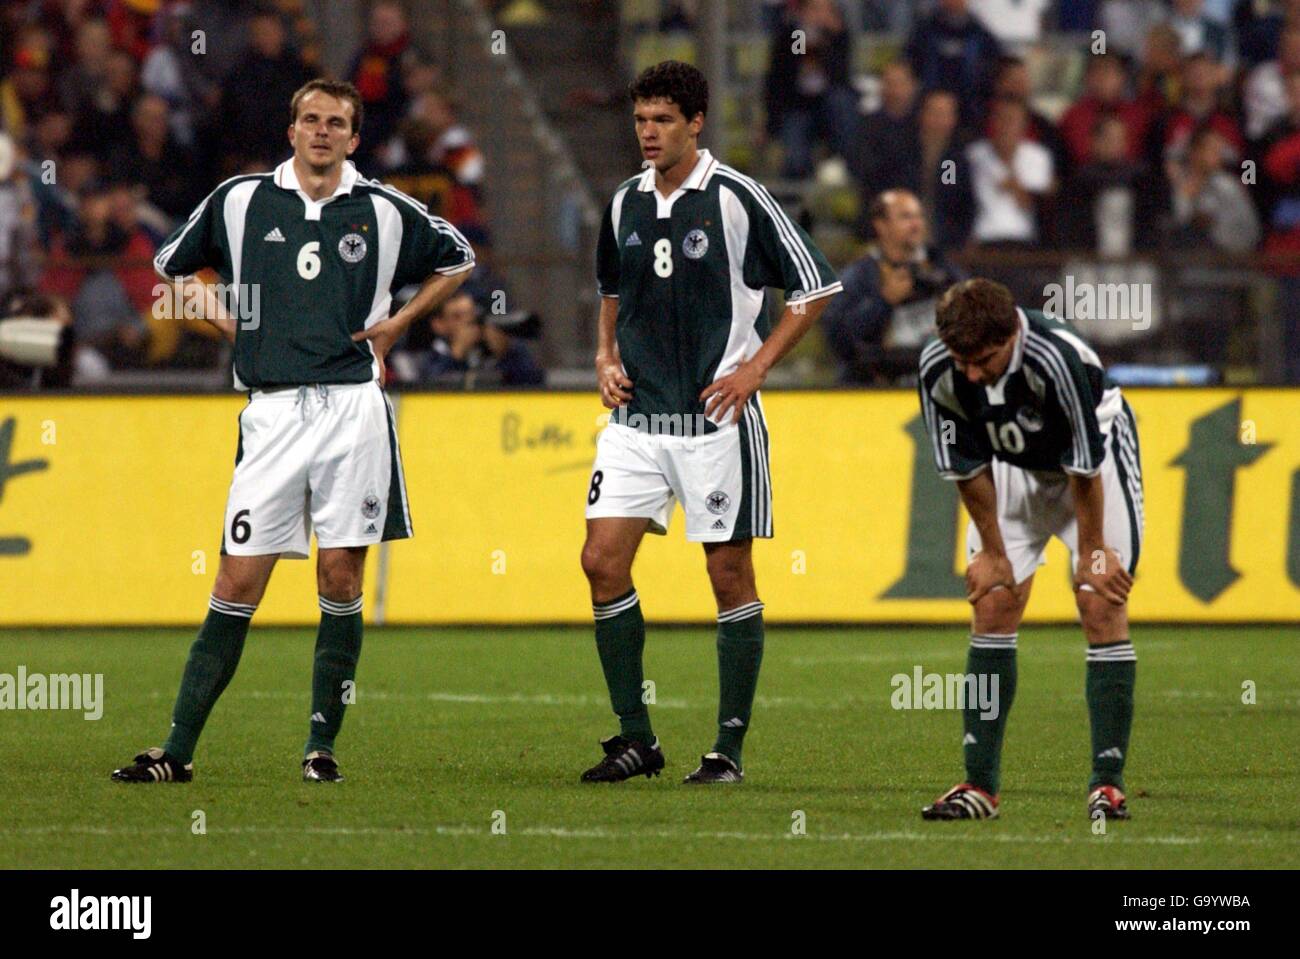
318, 717
718, 525
633, 240
275, 236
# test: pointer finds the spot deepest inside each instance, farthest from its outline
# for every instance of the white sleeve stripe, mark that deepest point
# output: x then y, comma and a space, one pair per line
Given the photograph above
162, 257
930, 410
453, 270
437, 222
1066, 390
804, 263
825, 291
1059, 375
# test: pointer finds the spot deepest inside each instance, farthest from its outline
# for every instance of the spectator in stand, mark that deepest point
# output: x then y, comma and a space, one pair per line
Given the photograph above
1258, 25
485, 284
808, 93
26, 94
1211, 207
56, 205
941, 176
1264, 93
951, 50
253, 132
1011, 81
885, 141
130, 23
40, 306
1198, 33
1113, 203
104, 271
1104, 86
152, 157
1280, 174
377, 74
103, 119
422, 175
1126, 23
18, 249
465, 347
1016, 23
1160, 70
877, 325
1199, 103
171, 71
1012, 179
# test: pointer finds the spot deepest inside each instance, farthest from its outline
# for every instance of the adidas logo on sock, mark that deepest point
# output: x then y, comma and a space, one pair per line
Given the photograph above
969, 740
632, 240
735, 722
275, 236
1113, 753
318, 717
718, 525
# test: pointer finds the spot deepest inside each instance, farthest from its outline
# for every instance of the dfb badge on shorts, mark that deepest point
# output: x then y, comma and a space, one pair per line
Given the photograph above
353, 248
717, 502
1029, 418
696, 244
370, 506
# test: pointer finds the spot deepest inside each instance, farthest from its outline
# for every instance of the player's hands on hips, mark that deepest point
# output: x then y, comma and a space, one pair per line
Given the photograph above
732, 392
615, 387
382, 336
1102, 571
987, 572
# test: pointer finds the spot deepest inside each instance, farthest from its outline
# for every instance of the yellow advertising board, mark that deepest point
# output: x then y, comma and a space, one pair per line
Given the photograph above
110, 513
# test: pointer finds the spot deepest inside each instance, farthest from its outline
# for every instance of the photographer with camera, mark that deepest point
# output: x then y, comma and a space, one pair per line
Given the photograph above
470, 347
877, 325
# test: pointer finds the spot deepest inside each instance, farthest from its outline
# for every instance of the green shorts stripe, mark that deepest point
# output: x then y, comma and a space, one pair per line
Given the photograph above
397, 523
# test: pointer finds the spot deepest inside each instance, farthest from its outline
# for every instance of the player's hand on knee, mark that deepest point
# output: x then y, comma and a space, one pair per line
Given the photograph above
987, 572
1102, 571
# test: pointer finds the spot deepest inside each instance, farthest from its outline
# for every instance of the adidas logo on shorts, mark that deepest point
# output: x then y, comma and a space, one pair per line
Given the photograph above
718, 525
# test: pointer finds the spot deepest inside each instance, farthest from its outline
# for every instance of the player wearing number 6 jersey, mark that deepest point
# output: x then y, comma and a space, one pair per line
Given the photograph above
312, 252
685, 253
1023, 417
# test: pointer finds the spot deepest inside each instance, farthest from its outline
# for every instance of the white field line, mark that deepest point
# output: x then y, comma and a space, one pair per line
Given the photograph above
940, 835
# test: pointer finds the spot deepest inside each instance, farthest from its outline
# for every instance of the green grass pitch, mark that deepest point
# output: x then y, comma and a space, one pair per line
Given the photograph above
453, 727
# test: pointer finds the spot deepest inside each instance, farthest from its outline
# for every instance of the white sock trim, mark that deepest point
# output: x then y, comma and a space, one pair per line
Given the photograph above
348, 608
741, 612
242, 610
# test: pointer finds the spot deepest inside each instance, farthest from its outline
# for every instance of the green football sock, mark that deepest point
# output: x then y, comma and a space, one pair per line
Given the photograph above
992, 655
1111, 672
620, 641
338, 647
740, 653
211, 664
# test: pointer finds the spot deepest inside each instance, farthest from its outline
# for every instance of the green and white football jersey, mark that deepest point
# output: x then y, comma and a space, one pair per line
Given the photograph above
1051, 411
690, 271
308, 274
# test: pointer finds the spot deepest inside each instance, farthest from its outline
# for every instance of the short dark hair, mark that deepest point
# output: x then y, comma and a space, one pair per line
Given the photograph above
677, 82
975, 314
339, 89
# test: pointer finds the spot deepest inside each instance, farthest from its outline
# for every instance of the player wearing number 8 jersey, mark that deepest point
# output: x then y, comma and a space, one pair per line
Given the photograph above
312, 252
685, 253
1023, 417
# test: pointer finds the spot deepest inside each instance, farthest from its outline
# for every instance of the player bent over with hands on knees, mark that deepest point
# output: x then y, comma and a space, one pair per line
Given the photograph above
1022, 416
322, 248
685, 253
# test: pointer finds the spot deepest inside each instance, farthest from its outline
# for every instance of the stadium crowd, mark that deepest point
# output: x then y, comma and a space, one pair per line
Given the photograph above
1181, 132
118, 116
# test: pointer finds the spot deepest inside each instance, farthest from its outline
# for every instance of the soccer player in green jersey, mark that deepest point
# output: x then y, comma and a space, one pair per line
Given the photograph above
1023, 417
685, 253
316, 251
